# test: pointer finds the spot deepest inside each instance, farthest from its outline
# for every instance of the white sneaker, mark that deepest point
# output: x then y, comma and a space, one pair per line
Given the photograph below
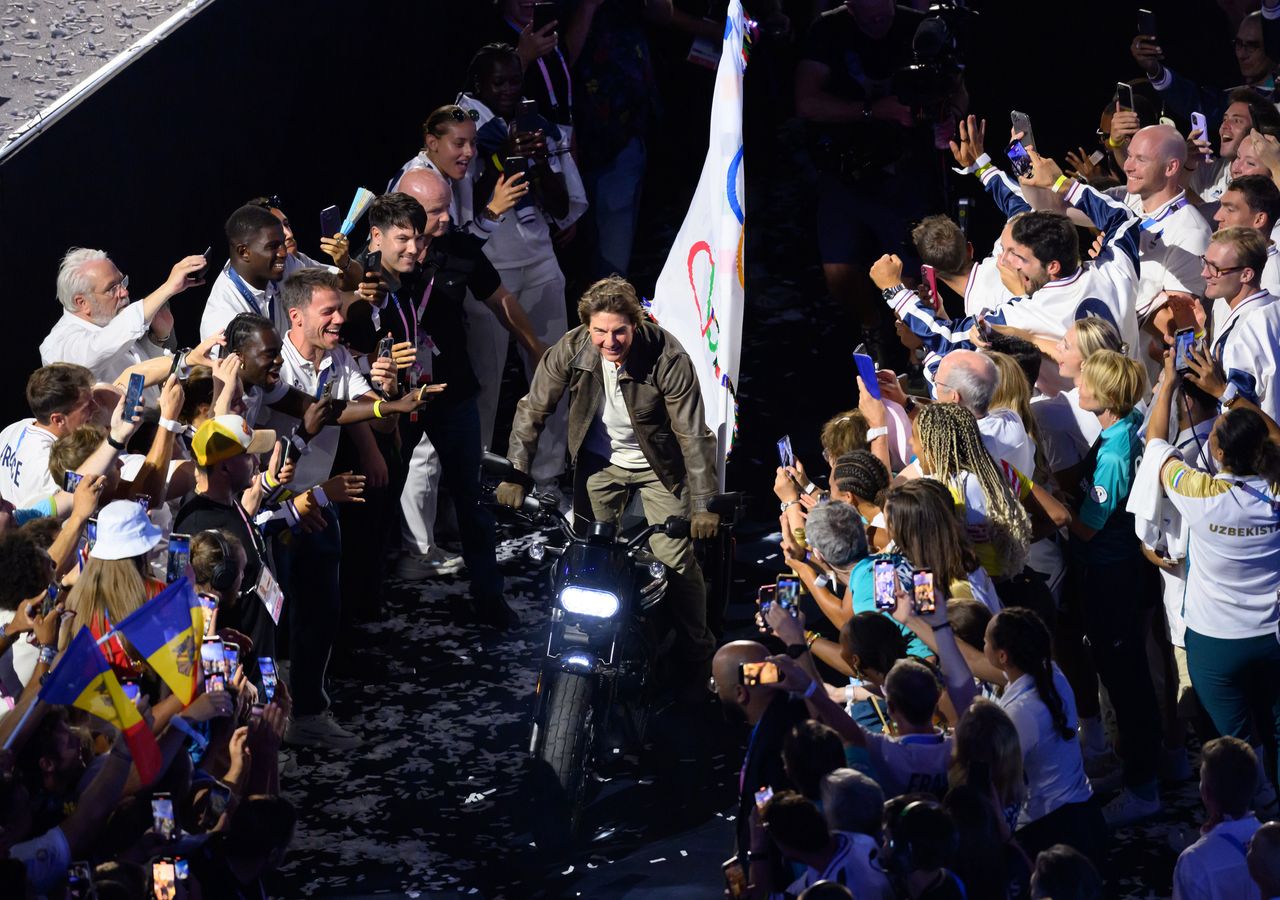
1128, 808
416, 566
320, 730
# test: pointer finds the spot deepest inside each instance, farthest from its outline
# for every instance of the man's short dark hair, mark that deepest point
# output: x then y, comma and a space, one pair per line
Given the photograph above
611, 295
301, 286
811, 751
1064, 873
23, 562
921, 826
1024, 353
1229, 774
912, 690
57, 388
1261, 196
1264, 115
1051, 237
245, 223
243, 327
941, 244
397, 210
794, 820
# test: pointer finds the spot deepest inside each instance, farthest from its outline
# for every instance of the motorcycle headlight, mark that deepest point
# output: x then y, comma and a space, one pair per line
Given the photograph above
588, 602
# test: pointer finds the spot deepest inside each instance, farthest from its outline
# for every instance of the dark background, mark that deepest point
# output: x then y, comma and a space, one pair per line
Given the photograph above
308, 101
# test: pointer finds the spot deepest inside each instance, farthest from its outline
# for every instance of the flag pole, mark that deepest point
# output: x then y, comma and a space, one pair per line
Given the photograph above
26, 714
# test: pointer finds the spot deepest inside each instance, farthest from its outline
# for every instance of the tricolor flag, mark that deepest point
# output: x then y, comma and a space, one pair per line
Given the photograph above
699, 295
165, 631
84, 679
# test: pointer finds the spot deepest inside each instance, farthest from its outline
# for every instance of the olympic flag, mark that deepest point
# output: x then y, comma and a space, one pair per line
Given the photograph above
699, 295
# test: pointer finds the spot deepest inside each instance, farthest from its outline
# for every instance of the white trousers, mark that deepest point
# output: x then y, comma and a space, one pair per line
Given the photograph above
418, 499
540, 288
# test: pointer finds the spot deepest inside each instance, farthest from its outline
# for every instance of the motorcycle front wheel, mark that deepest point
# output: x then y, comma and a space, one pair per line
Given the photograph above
561, 760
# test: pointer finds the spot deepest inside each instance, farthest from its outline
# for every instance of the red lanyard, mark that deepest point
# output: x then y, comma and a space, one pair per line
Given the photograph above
546, 76
416, 311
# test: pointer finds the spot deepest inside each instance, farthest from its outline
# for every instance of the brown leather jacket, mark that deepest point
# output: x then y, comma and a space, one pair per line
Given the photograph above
660, 388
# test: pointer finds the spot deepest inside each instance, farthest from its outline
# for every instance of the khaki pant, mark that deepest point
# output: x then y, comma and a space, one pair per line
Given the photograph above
601, 491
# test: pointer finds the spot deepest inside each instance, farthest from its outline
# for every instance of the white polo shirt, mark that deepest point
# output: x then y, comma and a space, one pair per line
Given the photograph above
1053, 766
24, 464
1233, 557
1252, 340
105, 350
1216, 866
1174, 237
1005, 437
338, 367
231, 295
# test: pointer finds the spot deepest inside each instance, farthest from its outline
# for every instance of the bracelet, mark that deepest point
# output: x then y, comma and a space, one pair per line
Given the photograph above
1057, 185
982, 169
185, 727
113, 443
377, 409
810, 690
941, 626
1111, 142
810, 488
811, 637
873, 433
172, 425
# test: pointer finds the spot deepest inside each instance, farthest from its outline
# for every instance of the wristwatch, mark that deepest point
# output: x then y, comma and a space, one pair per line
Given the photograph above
787, 504
1230, 395
889, 292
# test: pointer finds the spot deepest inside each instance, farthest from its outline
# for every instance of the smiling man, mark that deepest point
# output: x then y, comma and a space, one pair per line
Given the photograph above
636, 424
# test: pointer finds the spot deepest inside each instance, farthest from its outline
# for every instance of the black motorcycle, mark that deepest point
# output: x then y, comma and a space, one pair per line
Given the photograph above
596, 681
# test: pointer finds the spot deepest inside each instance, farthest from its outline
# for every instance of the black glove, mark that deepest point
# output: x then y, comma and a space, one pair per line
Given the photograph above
510, 494
704, 525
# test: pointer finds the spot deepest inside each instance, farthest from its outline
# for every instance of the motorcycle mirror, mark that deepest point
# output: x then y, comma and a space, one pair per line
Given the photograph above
676, 527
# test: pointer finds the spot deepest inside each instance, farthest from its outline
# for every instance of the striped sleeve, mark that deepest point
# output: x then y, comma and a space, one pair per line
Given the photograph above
1182, 481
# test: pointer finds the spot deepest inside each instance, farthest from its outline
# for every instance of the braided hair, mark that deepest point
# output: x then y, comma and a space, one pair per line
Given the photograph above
861, 473
1023, 635
952, 445
242, 326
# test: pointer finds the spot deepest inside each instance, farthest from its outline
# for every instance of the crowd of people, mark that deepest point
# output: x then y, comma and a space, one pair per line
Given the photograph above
1039, 565
1039, 568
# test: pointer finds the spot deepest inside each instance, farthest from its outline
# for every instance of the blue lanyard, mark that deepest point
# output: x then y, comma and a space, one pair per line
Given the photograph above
1148, 224
247, 294
322, 381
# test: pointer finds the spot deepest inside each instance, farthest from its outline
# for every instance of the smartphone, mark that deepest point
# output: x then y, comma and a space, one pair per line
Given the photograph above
1022, 122
763, 796
231, 654
735, 879
930, 278
787, 594
203, 273
1199, 123
923, 601
964, 209
985, 331
143, 501
215, 352
209, 605
1096, 157
131, 690
179, 556
886, 585
543, 15
162, 879
867, 371
1020, 159
181, 868
330, 221
267, 666
384, 346
162, 816
70, 480
1147, 23
219, 797
80, 881
765, 596
213, 661
373, 263
1184, 340
50, 600
133, 396
1124, 94
291, 451
754, 673
786, 456
515, 164
91, 534
528, 119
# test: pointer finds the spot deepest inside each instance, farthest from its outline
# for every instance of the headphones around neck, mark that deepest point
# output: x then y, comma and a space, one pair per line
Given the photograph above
224, 571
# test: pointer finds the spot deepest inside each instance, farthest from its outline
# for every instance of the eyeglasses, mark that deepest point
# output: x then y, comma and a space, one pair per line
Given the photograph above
116, 287
937, 383
1215, 272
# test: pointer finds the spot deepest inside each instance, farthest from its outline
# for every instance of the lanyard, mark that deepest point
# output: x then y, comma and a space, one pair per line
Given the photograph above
322, 381
415, 311
746, 757
247, 293
546, 76
1148, 224
254, 534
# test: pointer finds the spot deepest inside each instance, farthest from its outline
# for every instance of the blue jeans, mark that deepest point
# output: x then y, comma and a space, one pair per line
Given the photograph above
614, 192
454, 429
307, 566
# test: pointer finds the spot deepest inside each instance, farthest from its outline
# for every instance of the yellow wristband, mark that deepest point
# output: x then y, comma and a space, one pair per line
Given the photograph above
1113, 144
497, 163
1057, 185
377, 409
982, 168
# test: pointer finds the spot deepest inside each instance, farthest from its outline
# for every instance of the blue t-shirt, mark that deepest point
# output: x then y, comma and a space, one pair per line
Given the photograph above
1109, 469
862, 596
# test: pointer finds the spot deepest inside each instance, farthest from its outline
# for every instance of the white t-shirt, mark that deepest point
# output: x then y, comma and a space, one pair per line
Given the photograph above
1006, 438
911, 763
856, 865
338, 367
1216, 866
105, 350
226, 301
24, 464
1052, 765
46, 857
612, 435
1174, 236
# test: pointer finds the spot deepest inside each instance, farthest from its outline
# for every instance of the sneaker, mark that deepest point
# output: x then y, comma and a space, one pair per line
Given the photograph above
1106, 782
321, 731
417, 566
1128, 808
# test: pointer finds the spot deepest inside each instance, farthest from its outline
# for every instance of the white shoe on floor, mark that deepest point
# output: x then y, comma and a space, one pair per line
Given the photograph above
437, 563
321, 731
1128, 808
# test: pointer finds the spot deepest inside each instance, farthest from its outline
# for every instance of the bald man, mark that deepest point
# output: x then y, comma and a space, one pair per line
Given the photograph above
1174, 235
1264, 860
771, 713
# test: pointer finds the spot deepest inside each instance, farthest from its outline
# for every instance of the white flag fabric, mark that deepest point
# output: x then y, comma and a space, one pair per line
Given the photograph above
699, 295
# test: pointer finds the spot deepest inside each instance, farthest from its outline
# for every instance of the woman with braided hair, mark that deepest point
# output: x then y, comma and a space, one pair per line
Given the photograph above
860, 479
1059, 808
949, 447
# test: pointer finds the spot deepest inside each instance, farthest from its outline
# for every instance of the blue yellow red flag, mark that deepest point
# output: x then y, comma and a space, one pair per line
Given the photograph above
165, 631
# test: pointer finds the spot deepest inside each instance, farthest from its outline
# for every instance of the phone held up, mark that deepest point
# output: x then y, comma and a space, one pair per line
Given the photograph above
1019, 159
923, 601
886, 585
751, 674
1184, 341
